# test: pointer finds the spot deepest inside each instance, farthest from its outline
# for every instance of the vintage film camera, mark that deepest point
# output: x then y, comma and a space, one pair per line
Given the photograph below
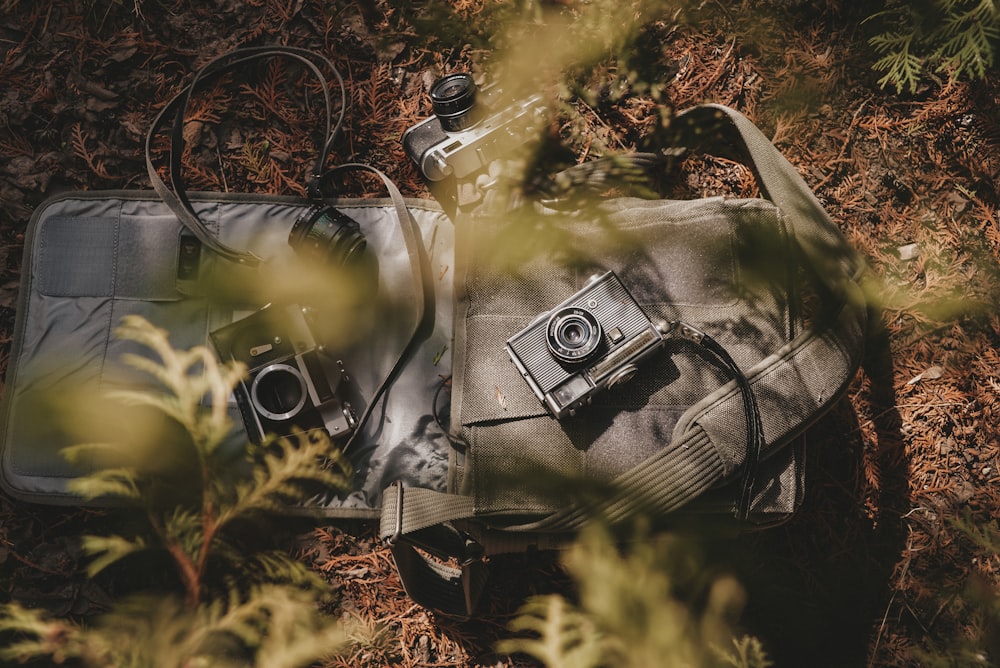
470, 128
292, 384
593, 340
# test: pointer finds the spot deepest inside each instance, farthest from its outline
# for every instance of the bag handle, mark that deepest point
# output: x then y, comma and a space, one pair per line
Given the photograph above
823, 245
177, 198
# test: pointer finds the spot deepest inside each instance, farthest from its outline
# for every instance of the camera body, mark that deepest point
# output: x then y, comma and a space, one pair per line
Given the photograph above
292, 385
469, 130
593, 340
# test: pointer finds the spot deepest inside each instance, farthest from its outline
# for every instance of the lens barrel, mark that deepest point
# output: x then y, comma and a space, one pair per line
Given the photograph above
326, 234
453, 98
573, 334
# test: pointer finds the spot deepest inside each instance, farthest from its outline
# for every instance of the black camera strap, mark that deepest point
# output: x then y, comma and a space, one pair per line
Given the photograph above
420, 266
176, 197
751, 413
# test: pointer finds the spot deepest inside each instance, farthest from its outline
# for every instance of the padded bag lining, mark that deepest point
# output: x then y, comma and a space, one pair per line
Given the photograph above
92, 258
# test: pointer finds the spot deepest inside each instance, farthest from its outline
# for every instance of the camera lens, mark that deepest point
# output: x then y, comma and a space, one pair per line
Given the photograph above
326, 234
278, 392
573, 334
453, 98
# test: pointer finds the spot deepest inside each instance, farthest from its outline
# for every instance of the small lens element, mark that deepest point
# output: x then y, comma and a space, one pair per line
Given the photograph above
326, 234
454, 101
573, 334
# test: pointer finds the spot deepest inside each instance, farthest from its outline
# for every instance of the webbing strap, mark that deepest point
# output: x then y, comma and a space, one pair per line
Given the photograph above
423, 284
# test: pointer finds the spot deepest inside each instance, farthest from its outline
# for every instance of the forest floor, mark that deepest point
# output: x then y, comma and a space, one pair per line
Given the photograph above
881, 562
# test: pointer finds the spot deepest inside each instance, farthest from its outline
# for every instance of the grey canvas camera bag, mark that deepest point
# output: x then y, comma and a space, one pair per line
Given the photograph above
677, 438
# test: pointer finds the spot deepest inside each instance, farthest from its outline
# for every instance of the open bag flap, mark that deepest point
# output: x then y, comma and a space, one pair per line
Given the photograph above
93, 258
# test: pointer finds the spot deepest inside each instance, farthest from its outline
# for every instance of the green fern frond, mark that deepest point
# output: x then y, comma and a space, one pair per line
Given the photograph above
36, 634
295, 639
286, 471
114, 483
183, 529
902, 67
276, 567
985, 535
563, 636
188, 377
747, 652
107, 550
647, 606
957, 37
84, 454
968, 53
169, 405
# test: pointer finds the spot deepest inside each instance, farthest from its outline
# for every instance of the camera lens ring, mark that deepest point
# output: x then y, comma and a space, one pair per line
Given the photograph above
573, 334
453, 98
323, 232
256, 386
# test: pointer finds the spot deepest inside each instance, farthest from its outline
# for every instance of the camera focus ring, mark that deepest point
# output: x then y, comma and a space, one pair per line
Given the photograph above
324, 233
453, 98
573, 334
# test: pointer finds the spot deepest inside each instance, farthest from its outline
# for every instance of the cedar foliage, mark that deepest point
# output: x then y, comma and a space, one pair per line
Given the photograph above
265, 612
655, 604
956, 37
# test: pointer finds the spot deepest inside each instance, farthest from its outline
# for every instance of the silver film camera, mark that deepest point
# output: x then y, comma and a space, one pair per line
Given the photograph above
592, 341
470, 128
292, 384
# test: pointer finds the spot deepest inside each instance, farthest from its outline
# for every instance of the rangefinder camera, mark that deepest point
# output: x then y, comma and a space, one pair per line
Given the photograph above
470, 128
592, 341
293, 385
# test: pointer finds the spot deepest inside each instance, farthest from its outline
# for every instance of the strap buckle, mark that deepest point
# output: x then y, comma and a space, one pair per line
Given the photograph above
689, 332
397, 534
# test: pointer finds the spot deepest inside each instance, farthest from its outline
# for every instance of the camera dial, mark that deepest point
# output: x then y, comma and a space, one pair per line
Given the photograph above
623, 375
573, 334
453, 99
278, 392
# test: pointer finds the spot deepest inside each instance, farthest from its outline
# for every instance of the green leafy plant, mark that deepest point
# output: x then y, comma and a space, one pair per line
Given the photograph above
653, 605
958, 37
240, 606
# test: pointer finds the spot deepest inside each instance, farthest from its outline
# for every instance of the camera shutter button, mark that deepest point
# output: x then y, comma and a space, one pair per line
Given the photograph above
623, 375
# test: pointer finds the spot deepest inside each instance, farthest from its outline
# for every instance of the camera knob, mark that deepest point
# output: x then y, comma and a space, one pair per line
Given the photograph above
592, 279
623, 375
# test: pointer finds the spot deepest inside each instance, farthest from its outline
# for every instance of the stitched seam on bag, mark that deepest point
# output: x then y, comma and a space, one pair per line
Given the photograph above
114, 289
